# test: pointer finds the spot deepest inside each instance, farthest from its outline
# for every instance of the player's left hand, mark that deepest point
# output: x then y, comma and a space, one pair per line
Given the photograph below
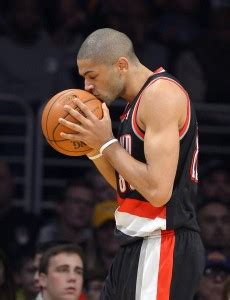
89, 129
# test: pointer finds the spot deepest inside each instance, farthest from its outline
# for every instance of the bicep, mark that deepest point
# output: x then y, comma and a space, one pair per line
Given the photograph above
161, 152
161, 114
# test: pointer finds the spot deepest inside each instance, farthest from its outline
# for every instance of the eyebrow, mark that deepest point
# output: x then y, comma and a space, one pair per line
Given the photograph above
87, 72
65, 265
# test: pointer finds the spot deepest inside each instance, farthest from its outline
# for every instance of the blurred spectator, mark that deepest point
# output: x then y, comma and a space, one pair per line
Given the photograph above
196, 68
105, 243
39, 252
17, 228
74, 216
24, 269
7, 287
67, 35
61, 273
94, 284
124, 18
180, 22
215, 180
101, 188
214, 221
29, 63
216, 274
226, 291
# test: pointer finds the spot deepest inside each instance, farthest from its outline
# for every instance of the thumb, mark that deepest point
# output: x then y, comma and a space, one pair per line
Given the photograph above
105, 109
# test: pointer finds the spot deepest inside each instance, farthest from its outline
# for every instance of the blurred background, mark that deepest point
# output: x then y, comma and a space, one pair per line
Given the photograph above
45, 195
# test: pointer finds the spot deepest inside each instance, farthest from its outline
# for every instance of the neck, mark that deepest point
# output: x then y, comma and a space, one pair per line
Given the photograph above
138, 76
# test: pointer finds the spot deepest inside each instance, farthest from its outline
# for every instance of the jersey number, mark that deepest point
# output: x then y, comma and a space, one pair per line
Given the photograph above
126, 142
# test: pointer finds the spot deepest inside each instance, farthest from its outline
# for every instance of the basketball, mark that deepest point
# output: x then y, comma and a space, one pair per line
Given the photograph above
54, 109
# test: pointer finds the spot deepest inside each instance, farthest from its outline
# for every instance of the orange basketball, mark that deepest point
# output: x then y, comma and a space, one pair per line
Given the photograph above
54, 109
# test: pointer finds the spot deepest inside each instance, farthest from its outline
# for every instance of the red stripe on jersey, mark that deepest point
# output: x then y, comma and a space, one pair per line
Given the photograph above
158, 70
141, 208
137, 128
123, 115
186, 123
166, 265
187, 120
135, 125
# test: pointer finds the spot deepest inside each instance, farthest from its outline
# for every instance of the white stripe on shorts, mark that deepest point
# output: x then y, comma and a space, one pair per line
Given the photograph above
148, 269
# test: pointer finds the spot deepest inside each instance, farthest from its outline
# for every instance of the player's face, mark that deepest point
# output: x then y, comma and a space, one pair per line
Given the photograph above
104, 81
64, 278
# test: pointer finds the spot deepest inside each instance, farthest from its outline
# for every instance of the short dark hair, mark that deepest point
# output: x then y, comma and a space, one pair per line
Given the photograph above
55, 250
106, 45
207, 201
42, 247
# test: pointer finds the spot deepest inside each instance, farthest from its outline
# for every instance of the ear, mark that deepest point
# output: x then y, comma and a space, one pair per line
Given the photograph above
43, 280
122, 64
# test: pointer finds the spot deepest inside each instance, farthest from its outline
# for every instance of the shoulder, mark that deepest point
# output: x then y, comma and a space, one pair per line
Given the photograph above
163, 100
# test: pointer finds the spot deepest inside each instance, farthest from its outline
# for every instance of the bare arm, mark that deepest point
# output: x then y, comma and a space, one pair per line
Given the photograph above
104, 167
159, 114
161, 111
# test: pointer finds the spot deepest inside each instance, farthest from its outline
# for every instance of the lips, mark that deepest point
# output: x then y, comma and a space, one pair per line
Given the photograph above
71, 290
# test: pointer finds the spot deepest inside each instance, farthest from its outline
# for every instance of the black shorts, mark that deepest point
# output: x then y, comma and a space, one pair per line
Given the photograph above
166, 266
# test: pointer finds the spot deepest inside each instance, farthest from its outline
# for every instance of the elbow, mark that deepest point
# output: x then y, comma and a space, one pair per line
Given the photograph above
159, 198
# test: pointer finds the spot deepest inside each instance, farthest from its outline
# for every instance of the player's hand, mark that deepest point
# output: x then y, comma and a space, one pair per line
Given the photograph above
89, 129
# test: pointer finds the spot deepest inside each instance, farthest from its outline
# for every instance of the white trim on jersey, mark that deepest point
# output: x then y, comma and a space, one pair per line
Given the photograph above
133, 225
148, 269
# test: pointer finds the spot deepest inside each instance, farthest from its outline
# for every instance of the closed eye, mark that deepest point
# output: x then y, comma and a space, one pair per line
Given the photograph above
93, 77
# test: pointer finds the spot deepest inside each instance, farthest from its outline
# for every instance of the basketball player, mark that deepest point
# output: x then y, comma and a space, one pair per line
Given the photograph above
153, 165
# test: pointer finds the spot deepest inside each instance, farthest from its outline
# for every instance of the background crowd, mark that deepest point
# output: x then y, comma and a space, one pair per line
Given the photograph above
39, 41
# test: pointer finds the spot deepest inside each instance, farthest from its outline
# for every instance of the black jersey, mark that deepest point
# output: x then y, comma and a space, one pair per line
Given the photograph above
135, 216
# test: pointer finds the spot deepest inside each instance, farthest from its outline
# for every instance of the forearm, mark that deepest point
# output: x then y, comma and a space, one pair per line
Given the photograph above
105, 168
136, 174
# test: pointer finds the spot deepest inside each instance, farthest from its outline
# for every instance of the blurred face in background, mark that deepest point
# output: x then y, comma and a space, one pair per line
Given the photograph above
36, 269
77, 208
217, 184
212, 284
26, 278
94, 289
214, 220
105, 238
26, 17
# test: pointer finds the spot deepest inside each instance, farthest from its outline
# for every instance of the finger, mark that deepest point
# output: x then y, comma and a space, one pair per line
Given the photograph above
70, 136
71, 125
78, 115
105, 109
84, 108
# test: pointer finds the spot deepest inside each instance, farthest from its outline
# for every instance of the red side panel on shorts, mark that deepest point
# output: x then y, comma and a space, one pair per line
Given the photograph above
141, 208
166, 265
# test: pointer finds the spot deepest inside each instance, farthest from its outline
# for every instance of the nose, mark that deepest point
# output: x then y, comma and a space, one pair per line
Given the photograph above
36, 276
72, 277
88, 86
